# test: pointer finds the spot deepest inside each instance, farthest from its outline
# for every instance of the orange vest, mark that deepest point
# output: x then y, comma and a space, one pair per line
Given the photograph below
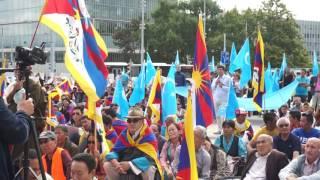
56, 165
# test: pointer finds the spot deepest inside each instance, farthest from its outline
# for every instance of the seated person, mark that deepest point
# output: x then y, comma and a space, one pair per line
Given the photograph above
202, 156
134, 154
270, 128
156, 129
219, 167
306, 166
264, 162
243, 126
286, 142
83, 167
294, 117
117, 124
94, 148
111, 135
306, 131
232, 145
169, 148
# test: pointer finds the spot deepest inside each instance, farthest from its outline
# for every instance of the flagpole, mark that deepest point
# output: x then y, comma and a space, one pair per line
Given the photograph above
35, 31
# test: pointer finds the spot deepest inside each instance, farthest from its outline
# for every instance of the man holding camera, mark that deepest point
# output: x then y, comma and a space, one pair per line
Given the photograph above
14, 129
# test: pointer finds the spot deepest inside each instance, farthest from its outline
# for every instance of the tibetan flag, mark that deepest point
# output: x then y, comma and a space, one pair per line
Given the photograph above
187, 167
85, 51
100, 129
3, 78
154, 101
201, 78
258, 73
65, 86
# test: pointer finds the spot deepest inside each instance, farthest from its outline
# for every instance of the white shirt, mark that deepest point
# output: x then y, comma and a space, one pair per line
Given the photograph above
221, 93
258, 168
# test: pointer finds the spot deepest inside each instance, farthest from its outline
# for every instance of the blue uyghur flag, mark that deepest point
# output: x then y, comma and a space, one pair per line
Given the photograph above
150, 70
212, 68
177, 61
242, 60
138, 92
169, 100
268, 79
120, 99
233, 56
283, 66
275, 78
232, 104
315, 68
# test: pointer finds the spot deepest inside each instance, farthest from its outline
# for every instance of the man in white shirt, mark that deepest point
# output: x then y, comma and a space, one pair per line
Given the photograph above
220, 90
264, 163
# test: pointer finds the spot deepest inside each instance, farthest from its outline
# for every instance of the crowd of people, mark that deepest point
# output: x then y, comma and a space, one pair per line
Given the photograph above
286, 147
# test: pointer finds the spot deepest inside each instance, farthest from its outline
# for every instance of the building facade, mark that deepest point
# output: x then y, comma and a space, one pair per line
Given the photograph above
310, 31
19, 19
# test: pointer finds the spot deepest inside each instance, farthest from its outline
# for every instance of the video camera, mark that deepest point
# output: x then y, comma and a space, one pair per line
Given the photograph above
27, 57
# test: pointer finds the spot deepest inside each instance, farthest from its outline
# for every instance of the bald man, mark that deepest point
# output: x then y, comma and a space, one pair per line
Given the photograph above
306, 166
264, 162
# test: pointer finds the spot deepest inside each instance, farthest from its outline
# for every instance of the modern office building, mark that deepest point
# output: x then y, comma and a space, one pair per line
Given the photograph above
310, 31
19, 19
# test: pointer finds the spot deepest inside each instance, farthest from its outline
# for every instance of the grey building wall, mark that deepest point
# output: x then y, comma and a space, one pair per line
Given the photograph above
310, 31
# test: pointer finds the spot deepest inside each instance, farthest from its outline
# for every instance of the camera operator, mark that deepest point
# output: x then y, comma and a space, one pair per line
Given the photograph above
14, 94
14, 129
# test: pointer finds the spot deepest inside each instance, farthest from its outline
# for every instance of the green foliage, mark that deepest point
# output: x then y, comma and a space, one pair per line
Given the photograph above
173, 28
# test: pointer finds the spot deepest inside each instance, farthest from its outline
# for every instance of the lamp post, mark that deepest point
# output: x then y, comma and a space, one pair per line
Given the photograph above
142, 33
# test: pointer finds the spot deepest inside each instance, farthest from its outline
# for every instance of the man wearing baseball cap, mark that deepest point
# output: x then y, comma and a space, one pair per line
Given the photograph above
243, 126
56, 161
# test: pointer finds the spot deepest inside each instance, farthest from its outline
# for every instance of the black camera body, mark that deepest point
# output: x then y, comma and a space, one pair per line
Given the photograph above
27, 57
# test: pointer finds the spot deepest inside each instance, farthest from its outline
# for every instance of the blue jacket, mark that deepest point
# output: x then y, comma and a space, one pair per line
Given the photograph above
14, 129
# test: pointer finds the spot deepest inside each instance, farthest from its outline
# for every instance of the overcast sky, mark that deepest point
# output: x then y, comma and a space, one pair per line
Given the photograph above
302, 10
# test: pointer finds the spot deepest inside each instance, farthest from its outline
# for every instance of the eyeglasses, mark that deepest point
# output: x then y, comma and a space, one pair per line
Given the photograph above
283, 125
91, 142
44, 141
132, 120
76, 113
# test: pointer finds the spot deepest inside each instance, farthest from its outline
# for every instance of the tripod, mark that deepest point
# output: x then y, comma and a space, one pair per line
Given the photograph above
25, 169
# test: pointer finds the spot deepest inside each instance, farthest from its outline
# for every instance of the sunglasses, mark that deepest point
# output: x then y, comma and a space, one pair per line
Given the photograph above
283, 125
44, 141
132, 120
91, 142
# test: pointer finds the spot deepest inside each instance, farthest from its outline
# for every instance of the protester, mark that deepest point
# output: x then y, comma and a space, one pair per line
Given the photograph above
56, 161
169, 148
283, 111
156, 129
306, 166
306, 131
286, 142
264, 162
219, 166
302, 89
64, 142
117, 124
294, 117
202, 156
220, 89
84, 132
111, 135
315, 91
128, 157
270, 128
243, 127
83, 167
14, 129
35, 174
231, 144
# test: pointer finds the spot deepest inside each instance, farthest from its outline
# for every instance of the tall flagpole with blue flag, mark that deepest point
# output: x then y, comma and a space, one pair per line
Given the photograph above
268, 79
283, 65
138, 91
120, 99
201, 78
242, 61
212, 66
233, 56
150, 70
315, 67
169, 94
232, 105
177, 60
